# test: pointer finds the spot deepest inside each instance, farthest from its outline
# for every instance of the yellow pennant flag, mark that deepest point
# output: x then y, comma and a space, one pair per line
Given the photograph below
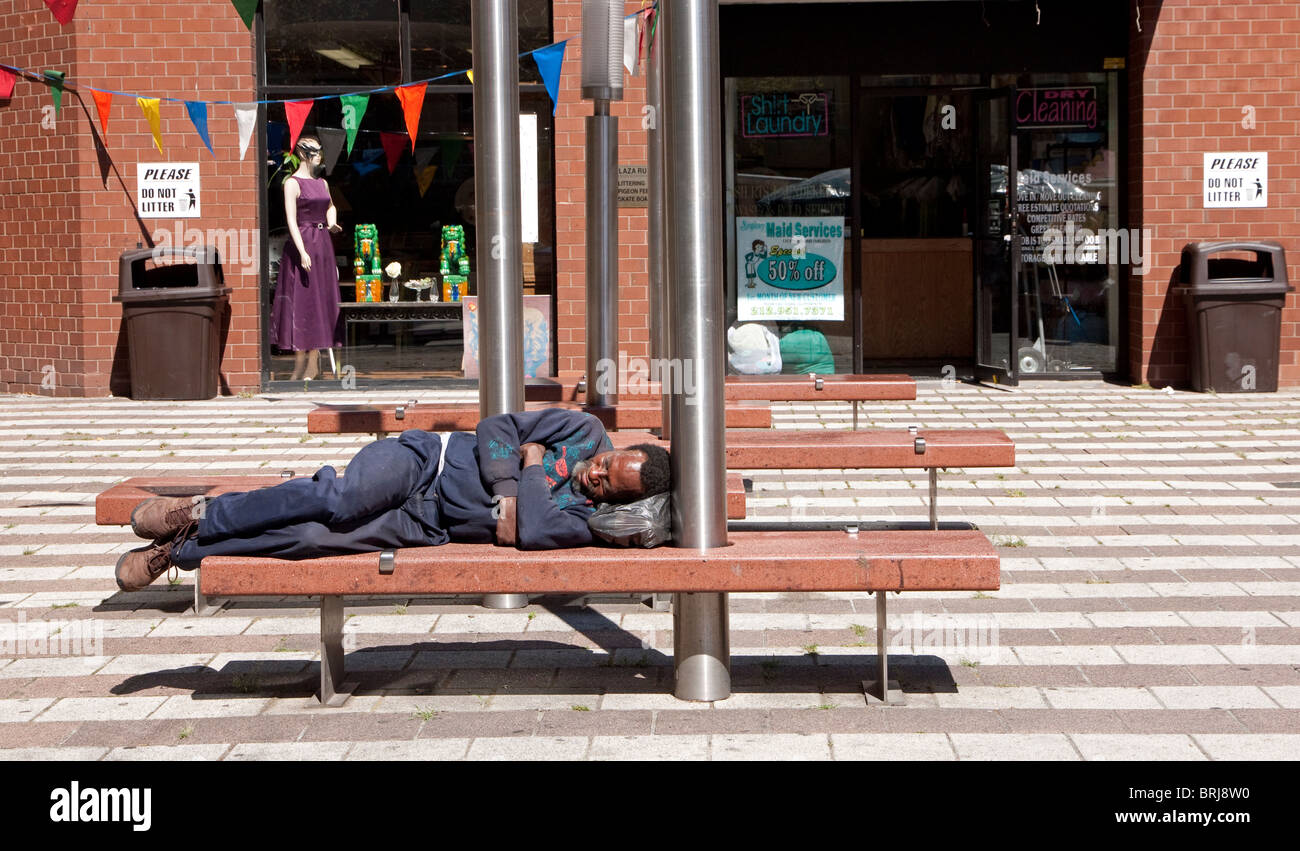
149, 106
470, 74
425, 178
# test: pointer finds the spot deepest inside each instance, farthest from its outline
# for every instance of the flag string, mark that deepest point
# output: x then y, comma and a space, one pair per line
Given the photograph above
70, 85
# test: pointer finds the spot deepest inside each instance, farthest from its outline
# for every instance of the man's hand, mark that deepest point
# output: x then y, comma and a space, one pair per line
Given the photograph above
506, 533
532, 453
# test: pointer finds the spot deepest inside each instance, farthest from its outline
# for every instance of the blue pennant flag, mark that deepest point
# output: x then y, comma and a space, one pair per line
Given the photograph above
275, 133
198, 111
549, 59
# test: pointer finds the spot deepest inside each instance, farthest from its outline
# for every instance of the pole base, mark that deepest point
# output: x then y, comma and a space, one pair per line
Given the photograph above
893, 695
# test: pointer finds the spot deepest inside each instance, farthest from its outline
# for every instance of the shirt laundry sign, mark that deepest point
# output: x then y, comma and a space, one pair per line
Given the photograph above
790, 268
167, 190
1235, 180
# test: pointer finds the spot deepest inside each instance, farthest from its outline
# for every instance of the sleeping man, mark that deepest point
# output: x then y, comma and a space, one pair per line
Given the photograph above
528, 480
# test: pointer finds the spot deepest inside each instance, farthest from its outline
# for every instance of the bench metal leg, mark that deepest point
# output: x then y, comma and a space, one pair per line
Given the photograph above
884, 690
203, 604
333, 691
701, 647
505, 601
855, 414
934, 498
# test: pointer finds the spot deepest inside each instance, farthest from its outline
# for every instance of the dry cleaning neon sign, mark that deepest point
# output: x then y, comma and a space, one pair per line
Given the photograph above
1072, 106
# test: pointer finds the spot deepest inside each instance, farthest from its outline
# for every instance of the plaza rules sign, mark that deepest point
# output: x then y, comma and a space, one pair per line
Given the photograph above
790, 268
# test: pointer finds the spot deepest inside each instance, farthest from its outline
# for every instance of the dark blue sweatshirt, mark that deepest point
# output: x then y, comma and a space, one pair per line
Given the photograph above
550, 512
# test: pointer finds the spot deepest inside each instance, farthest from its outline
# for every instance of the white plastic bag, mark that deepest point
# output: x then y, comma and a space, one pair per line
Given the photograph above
754, 350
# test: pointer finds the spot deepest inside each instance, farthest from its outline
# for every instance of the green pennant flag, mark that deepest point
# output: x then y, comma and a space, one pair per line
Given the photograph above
246, 10
56, 89
354, 109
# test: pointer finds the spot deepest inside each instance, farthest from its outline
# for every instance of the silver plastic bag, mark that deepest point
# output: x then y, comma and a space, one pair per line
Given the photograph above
644, 523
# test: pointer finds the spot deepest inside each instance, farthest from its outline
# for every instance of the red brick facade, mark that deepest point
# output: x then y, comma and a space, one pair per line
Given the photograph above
1191, 70
62, 228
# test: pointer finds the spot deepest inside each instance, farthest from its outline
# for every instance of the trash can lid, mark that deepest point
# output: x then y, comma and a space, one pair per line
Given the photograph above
1199, 270
202, 277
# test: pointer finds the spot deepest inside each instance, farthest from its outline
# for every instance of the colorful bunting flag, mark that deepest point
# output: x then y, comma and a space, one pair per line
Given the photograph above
6, 84
470, 74
332, 140
425, 178
412, 98
246, 10
149, 106
103, 104
246, 118
354, 109
393, 144
424, 156
549, 60
451, 157
56, 89
296, 111
275, 139
198, 111
369, 162
63, 10
630, 45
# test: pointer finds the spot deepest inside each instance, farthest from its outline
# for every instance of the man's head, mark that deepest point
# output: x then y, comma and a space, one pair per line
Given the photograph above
624, 475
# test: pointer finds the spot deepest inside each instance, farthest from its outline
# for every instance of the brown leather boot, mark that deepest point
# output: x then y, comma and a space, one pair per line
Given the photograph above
138, 568
162, 517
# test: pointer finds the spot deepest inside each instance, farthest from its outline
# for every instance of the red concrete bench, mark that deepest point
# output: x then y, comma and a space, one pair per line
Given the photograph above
784, 561
363, 419
113, 507
767, 388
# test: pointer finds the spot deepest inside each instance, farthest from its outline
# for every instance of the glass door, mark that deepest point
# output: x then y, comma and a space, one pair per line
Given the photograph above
996, 243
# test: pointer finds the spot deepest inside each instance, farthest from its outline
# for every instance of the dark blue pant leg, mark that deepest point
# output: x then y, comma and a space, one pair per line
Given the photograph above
380, 477
392, 529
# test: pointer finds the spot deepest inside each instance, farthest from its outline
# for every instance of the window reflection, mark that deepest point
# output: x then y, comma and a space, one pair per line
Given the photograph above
332, 42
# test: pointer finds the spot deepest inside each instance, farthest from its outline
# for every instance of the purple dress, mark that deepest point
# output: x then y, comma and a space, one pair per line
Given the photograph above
305, 314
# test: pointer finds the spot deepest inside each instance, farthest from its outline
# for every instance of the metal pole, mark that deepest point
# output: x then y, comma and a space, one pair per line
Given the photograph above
495, 40
694, 217
660, 311
602, 256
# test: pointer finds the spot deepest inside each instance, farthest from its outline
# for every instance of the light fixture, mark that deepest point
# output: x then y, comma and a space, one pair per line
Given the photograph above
345, 57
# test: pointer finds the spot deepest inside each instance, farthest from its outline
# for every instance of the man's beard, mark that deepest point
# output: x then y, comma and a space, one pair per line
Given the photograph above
575, 474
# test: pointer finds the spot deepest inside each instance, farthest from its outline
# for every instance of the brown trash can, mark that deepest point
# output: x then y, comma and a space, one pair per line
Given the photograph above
1234, 315
172, 315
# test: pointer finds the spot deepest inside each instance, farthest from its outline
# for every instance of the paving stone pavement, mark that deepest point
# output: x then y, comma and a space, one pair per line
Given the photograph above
1150, 606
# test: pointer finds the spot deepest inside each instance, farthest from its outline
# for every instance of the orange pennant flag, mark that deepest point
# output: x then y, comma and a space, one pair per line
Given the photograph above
149, 106
103, 102
412, 98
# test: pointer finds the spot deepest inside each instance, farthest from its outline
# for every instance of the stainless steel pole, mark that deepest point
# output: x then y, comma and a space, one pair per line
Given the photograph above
694, 218
660, 324
495, 40
602, 256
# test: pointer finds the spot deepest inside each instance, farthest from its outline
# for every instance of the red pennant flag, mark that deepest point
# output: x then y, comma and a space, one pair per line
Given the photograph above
103, 101
412, 98
296, 111
63, 10
6, 84
393, 144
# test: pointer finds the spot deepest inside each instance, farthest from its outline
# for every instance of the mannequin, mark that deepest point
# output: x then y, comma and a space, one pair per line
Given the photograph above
305, 315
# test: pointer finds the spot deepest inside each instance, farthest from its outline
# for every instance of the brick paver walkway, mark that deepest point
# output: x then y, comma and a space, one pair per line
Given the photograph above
1150, 605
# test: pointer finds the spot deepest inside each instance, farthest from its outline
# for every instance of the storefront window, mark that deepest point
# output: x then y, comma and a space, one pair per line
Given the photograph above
1071, 235
788, 256
420, 211
332, 42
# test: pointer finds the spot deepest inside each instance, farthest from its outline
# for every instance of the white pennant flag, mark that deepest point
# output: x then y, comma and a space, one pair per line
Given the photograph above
629, 43
246, 116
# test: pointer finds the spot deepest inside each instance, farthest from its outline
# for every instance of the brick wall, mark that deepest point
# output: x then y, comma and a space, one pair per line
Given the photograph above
60, 255
571, 201
1194, 67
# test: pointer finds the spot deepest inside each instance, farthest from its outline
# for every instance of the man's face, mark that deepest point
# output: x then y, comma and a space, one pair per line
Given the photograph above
610, 476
